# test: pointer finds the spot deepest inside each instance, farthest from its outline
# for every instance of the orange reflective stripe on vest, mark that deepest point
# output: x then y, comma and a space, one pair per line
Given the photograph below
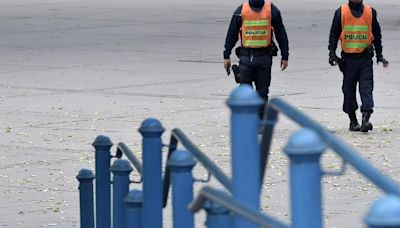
256, 26
356, 32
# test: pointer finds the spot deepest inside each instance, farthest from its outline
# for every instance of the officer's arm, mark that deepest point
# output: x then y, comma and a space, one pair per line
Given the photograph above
336, 30
376, 31
233, 32
280, 32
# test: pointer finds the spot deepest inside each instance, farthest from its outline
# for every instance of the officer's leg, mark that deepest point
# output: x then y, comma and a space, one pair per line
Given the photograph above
246, 70
263, 79
366, 87
350, 70
349, 87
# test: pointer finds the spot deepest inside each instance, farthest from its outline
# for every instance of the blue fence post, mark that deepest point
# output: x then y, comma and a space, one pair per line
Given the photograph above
85, 178
181, 164
151, 130
304, 149
217, 216
134, 203
121, 170
244, 104
384, 213
102, 145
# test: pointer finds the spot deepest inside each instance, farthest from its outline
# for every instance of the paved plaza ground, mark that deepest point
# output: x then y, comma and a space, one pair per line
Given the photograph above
71, 70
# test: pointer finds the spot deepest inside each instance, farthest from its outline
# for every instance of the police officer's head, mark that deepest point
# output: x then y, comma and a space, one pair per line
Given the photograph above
256, 4
356, 1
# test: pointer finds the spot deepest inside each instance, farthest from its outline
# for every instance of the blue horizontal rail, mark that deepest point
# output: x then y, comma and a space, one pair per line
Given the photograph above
178, 136
203, 159
226, 201
123, 149
346, 152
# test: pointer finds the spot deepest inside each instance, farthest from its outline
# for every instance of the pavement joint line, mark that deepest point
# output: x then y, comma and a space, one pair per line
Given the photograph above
159, 83
30, 95
104, 91
117, 25
117, 117
68, 91
23, 203
30, 211
31, 113
44, 148
113, 88
30, 163
38, 189
93, 130
164, 73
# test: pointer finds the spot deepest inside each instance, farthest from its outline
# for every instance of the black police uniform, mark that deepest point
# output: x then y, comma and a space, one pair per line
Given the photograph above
356, 68
255, 63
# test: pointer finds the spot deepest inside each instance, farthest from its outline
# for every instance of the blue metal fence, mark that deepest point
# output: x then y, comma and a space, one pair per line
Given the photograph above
238, 204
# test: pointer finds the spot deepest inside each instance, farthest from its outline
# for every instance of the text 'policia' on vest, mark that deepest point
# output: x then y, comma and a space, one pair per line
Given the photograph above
256, 26
355, 37
356, 32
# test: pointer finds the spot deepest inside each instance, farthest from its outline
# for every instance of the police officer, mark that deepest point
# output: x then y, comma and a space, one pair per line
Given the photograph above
254, 21
356, 26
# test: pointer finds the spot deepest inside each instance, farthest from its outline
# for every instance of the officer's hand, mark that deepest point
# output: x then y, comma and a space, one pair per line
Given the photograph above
333, 60
284, 64
384, 62
227, 66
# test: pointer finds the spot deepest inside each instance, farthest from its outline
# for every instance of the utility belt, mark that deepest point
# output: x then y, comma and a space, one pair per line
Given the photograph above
272, 50
255, 52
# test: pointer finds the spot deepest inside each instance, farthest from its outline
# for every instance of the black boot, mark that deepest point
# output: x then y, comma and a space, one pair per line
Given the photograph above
366, 125
354, 125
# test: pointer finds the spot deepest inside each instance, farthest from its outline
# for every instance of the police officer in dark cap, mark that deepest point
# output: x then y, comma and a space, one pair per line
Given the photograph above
356, 26
255, 21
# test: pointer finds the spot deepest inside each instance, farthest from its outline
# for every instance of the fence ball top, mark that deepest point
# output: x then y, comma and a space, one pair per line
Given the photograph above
214, 208
244, 96
121, 166
102, 140
151, 125
85, 174
134, 197
385, 212
181, 158
305, 141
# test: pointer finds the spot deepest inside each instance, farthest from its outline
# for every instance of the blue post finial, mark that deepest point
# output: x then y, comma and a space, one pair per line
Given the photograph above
121, 167
102, 141
305, 142
385, 212
134, 198
217, 216
85, 175
181, 159
151, 128
244, 99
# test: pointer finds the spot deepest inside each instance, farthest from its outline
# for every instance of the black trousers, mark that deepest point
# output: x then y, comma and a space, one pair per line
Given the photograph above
357, 71
257, 70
